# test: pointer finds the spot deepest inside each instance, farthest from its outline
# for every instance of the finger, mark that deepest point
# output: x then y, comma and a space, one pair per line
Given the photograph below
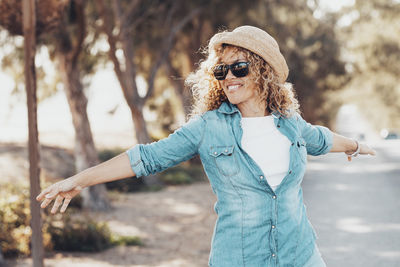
45, 202
372, 152
43, 193
349, 158
57, 204
65, 205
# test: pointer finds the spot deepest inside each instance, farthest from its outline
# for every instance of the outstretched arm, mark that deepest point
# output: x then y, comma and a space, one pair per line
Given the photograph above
114, 169
349, 146
141, 160
321, 140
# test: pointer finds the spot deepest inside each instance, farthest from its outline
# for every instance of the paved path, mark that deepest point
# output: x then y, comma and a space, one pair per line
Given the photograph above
355, 207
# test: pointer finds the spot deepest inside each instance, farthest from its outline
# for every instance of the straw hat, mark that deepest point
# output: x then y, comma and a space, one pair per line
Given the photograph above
258, 42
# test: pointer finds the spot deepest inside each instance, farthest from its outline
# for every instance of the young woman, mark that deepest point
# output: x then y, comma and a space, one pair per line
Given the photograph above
253, 145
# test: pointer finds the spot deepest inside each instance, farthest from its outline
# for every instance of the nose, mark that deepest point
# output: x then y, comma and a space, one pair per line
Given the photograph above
229, 75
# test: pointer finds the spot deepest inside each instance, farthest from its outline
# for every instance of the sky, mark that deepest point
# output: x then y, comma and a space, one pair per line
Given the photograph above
54, 119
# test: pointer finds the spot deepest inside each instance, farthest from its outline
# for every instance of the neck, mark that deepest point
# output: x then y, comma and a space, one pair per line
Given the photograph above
253, 110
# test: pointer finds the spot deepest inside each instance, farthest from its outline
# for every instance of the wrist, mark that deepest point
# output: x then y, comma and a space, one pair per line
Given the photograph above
355, 148
79, 181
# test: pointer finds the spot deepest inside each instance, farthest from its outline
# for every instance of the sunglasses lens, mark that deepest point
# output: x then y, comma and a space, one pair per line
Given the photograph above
220, 72
240, 69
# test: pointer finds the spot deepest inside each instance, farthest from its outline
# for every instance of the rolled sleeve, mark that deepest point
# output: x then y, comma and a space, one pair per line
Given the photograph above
319, 139
136, 161
179, 146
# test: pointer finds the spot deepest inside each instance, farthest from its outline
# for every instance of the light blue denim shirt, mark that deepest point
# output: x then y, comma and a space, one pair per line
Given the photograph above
255, 226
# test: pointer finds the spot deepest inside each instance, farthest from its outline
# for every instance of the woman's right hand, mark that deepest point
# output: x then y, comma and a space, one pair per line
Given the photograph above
62, 192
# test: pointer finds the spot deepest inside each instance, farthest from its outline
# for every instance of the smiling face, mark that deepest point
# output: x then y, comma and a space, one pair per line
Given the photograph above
241, 91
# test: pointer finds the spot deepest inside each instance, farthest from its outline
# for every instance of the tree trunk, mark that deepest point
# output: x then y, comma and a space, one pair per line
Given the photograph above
95, 197
184, 94
2, 262
143, 137
29, 22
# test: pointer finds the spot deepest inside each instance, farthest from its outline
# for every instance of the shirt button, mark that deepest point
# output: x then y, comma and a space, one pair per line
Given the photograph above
273, 255
274, 197
261, 177
290, 172
278, 126
273, 226
226, 150
215, 153
292, 144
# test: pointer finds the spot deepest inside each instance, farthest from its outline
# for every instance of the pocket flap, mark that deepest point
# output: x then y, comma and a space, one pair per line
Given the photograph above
219, 150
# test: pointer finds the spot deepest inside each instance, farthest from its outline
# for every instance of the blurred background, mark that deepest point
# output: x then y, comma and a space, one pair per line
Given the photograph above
111, 74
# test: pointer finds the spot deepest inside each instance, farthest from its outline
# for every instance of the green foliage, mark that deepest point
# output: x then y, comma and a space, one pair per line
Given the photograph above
79, 234
184, 173
67, 232
15, 232
178, 177
118, 240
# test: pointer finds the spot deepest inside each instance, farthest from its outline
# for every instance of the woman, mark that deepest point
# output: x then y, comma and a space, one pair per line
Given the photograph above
253, 145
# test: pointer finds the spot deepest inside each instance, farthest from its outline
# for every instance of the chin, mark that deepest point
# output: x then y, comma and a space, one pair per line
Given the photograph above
232, 101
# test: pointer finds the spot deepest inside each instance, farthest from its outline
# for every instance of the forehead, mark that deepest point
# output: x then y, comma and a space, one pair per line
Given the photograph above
232, 54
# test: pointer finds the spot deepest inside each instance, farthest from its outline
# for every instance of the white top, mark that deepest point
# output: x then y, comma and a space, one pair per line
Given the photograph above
268, 147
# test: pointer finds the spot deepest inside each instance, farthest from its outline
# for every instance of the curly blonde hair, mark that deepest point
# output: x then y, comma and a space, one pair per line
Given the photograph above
209, 95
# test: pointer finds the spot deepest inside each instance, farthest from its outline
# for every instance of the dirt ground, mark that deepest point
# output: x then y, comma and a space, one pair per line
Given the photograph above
175, 223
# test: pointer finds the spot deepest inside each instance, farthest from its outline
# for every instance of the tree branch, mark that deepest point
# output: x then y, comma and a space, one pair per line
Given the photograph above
167, 47
106, 27
125, 19
127, 48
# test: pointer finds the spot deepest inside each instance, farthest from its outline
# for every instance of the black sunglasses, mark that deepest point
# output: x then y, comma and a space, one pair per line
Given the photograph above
238, 69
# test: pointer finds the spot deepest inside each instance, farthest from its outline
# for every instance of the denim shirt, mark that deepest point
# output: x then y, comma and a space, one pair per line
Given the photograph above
255, 226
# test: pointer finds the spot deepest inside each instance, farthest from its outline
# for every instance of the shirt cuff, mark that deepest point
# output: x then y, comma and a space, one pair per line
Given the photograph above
328, 136
136, 161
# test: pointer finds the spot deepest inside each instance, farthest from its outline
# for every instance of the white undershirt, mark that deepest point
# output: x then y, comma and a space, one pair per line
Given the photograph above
267, 147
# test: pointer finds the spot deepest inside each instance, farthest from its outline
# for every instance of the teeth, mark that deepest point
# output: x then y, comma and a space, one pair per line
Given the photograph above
231, 87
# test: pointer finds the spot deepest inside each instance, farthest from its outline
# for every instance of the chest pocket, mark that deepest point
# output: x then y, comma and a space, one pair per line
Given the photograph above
301, 148
225, 159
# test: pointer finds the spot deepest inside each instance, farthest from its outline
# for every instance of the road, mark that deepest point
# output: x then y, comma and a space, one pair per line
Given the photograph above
355, 208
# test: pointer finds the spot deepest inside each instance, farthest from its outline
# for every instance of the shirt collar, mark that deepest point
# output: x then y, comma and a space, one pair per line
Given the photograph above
228, 108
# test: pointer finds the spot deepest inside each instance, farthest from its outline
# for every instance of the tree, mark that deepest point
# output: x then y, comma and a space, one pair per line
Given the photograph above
62, 28
1, 258
68, 39
29, 29
126, 24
